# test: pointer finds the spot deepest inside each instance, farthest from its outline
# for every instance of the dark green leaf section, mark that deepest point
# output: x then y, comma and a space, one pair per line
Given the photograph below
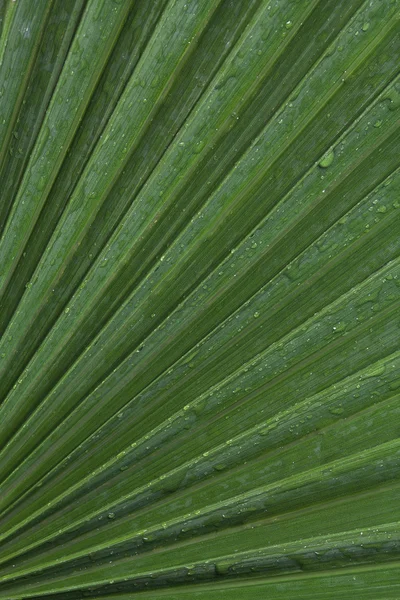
200, 293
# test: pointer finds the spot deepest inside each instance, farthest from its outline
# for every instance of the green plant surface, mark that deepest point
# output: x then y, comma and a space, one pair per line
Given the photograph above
199, 299
370, 584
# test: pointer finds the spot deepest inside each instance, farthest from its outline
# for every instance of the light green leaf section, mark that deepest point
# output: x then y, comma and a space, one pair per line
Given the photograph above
199, 299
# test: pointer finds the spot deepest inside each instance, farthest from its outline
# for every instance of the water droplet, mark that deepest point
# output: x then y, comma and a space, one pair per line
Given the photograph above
199, 147
41, 183
256, 314
375, 372
288, 25
327, 159
365, 27
394, 99
337, 410
111, 515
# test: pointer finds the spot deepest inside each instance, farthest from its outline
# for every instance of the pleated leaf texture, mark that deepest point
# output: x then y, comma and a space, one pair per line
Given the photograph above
200, 299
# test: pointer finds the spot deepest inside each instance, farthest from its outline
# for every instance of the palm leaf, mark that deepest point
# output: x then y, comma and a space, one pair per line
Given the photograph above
199, 288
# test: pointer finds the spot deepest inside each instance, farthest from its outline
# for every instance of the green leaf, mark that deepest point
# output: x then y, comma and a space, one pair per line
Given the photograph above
199, 294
